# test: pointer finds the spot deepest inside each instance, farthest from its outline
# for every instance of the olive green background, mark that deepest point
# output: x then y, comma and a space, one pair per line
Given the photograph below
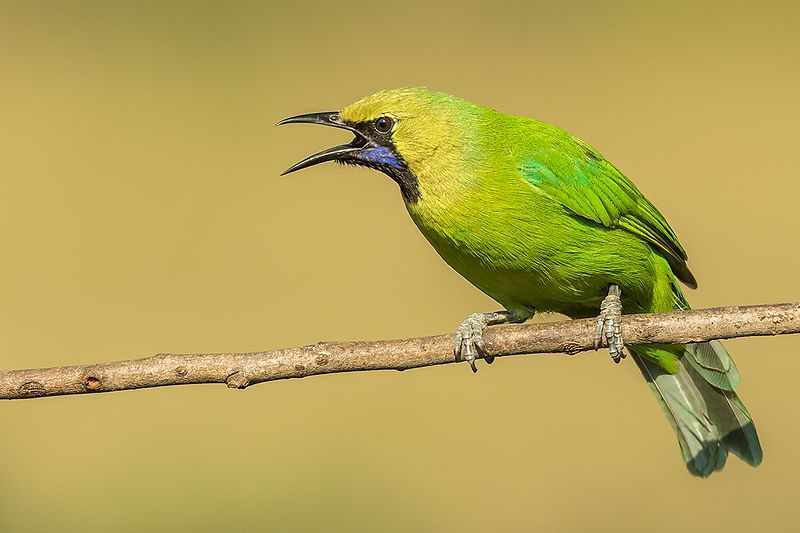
141, 211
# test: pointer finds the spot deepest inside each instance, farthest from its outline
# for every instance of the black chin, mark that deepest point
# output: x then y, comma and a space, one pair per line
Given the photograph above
405, 179
348, 154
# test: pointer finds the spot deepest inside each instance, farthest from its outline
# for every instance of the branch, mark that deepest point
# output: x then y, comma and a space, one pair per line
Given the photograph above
239, 370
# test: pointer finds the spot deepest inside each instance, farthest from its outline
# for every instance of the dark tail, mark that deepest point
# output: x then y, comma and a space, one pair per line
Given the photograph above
701, 404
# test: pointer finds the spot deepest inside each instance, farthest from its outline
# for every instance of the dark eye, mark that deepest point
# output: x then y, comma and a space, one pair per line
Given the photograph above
384, 124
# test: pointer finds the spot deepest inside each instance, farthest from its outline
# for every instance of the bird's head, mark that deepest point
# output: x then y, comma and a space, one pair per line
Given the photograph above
400, 132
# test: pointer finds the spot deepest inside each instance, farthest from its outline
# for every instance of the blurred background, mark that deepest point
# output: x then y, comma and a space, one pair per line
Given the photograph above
141, 211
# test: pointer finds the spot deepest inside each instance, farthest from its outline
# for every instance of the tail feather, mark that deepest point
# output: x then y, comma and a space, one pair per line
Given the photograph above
685, 408
708, 419
743, 439
712, 361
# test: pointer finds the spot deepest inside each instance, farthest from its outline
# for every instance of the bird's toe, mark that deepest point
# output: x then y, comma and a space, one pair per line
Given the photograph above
469, 339
609, 325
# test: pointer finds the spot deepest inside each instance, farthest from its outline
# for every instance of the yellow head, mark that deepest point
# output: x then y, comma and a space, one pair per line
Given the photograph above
403, 133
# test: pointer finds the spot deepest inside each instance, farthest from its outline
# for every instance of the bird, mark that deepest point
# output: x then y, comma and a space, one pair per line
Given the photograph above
541, 222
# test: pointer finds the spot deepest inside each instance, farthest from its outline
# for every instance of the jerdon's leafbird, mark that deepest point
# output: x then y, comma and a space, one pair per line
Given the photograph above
540, 221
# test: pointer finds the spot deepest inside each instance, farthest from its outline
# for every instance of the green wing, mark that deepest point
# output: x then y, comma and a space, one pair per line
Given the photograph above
572, 173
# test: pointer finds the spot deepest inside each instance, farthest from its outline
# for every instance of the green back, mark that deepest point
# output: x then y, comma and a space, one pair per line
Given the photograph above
569, 171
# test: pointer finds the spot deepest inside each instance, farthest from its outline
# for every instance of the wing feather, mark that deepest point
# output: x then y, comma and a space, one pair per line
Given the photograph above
586, 184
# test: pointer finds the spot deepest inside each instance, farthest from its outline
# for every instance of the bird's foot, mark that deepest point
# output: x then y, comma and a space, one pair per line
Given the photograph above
469, 336
609, 324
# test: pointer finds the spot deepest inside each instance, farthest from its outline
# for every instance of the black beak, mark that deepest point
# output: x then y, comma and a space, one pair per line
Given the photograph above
342, 152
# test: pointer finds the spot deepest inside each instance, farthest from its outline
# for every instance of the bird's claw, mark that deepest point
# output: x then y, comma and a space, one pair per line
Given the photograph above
469, 339
609, 324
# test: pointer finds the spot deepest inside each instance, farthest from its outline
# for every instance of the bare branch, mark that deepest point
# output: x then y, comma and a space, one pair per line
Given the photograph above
239, 370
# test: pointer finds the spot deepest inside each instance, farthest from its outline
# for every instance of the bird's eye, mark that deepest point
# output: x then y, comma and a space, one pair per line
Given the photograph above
384, 125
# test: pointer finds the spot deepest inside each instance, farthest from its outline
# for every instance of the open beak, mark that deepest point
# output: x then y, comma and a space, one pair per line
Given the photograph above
337, 153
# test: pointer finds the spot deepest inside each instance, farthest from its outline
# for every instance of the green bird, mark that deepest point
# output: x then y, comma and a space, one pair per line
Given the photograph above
540, 221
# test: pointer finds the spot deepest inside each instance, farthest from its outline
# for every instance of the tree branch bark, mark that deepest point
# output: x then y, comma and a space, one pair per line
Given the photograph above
240, 370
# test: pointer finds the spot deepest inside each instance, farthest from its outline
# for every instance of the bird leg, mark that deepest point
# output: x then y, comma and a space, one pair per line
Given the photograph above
469, 336
609, 323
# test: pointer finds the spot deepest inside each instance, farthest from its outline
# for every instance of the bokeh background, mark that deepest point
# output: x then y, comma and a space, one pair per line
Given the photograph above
141, 211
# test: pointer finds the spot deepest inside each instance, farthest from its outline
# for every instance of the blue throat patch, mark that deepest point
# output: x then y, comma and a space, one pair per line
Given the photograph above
382, 156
